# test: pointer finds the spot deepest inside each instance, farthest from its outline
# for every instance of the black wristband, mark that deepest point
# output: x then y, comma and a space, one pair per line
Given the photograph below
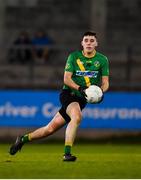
81, 89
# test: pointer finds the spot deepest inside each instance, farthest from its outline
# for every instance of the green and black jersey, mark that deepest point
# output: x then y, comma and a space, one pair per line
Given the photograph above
86, 71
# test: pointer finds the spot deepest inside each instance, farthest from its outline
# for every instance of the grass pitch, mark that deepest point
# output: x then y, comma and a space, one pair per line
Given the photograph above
98, 161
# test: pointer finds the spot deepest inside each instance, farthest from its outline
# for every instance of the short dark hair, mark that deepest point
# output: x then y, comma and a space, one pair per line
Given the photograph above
90, 33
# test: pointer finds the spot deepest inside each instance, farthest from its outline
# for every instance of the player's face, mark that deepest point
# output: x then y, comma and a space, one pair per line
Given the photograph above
89, 43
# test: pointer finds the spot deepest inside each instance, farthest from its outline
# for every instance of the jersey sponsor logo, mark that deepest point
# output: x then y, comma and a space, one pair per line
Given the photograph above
67, 66
90, 74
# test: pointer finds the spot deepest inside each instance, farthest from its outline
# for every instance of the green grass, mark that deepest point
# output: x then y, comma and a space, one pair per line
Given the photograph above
98, 161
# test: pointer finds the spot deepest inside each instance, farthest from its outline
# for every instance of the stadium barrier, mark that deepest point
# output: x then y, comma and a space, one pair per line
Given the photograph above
119, 110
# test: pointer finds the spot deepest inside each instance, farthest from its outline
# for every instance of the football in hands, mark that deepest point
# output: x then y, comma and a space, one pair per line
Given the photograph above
94, 94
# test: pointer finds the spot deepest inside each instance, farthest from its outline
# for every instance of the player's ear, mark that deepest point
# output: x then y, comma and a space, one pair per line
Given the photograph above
96, 44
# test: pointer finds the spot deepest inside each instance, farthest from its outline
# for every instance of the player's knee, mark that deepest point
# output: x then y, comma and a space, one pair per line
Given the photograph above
77, 118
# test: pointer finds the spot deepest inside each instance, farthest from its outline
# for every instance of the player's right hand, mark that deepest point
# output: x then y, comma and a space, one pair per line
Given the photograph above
82, 89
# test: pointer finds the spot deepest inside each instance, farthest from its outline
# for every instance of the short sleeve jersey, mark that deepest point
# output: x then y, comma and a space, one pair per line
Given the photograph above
86, 71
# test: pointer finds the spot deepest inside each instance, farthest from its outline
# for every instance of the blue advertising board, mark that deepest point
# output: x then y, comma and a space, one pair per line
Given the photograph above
37, 108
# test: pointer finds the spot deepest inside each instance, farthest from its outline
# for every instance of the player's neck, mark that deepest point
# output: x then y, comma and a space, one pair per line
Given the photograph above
89, 54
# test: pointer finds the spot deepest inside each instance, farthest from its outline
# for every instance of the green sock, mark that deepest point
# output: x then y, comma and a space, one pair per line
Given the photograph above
67, 149
25, 138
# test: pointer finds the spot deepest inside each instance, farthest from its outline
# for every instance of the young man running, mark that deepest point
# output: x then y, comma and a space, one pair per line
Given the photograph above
83, 68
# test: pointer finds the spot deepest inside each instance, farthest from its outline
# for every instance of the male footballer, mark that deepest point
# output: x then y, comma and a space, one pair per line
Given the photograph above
83, 68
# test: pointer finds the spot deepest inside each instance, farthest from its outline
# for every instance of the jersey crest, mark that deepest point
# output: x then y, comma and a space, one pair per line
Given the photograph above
96, 64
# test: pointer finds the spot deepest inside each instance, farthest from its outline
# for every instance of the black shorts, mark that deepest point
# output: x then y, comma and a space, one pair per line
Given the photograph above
67, 97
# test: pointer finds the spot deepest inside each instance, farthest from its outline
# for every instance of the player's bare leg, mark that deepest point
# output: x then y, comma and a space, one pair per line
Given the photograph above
56, 123
74, 111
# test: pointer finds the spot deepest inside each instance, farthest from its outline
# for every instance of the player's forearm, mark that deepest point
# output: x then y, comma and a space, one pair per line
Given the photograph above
69, 82
105, 83
105, 86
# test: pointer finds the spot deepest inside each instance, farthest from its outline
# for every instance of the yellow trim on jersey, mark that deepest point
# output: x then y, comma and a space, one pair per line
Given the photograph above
82, 68
89, 55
